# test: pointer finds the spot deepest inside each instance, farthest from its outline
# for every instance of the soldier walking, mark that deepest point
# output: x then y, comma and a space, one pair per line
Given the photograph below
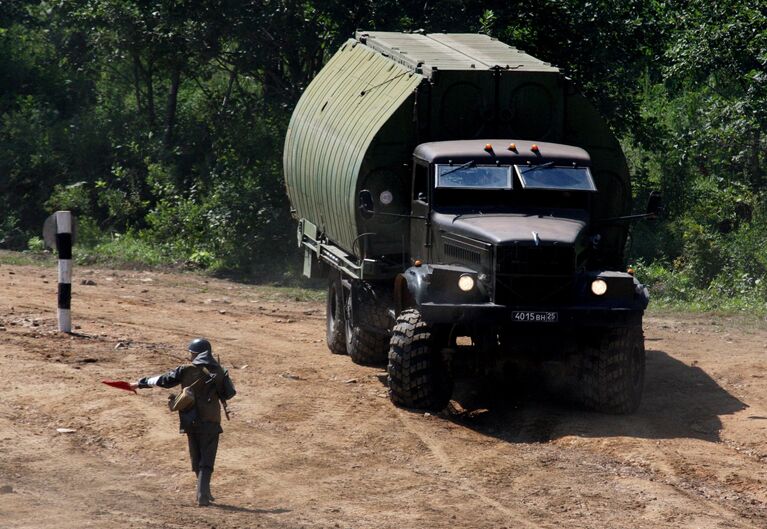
205, 387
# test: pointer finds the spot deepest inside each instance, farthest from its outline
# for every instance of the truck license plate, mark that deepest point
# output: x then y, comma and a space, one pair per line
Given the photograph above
534, 316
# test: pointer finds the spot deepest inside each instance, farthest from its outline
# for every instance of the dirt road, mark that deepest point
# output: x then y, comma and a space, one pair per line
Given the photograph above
314, 442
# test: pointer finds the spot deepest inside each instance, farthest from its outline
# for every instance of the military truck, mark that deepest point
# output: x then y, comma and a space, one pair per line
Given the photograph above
470, 208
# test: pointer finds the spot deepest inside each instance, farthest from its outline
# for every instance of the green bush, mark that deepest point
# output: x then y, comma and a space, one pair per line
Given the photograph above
36, 244
73, 197
725, 271
202, 259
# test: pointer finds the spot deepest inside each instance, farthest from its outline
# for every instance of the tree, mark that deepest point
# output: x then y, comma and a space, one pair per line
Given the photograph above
719, 50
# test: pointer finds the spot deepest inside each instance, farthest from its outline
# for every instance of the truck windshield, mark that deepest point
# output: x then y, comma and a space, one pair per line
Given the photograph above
555, 177
470, 176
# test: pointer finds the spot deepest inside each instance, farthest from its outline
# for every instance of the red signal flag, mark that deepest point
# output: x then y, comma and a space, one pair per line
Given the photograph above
119, 384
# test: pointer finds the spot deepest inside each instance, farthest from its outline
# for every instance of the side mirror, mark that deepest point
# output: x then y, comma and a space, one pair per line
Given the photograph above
366, 204
654, 204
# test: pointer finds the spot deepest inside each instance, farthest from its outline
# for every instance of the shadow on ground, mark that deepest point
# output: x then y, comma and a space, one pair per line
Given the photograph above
680, 401
236, 508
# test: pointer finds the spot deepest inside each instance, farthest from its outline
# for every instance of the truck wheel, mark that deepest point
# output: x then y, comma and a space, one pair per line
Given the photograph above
334, 317
367, 332
612, 374
418, 376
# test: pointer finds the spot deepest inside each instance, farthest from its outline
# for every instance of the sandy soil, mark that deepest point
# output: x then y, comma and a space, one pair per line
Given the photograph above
314, 441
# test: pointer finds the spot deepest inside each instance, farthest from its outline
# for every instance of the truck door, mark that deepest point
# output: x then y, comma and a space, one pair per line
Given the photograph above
419, 237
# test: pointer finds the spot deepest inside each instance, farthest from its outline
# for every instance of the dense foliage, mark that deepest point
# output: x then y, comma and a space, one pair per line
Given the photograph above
160, 122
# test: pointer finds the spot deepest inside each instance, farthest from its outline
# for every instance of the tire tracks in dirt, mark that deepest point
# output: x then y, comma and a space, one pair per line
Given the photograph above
445, 461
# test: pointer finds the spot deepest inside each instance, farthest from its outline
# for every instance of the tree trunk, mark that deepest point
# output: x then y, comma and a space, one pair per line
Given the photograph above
149, 74
232, 79
756, 167
137, 81
170, 111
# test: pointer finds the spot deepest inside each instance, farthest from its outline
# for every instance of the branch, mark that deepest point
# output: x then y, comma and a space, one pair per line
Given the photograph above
118, 73
204, 90
232, 78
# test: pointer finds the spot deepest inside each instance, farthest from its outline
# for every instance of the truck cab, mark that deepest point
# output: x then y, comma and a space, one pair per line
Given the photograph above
505, 230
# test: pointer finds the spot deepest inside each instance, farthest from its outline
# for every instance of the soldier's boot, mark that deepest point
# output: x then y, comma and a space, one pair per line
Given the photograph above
210, 496
203, 487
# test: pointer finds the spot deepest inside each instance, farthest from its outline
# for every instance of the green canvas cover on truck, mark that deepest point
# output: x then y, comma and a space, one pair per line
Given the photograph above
358, 122
331, 132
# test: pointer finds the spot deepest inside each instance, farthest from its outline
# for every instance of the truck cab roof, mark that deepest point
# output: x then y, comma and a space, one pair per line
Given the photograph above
505, 151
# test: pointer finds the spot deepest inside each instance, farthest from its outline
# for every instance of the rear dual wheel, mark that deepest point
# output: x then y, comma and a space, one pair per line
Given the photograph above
334, 318
359, 328
367, 330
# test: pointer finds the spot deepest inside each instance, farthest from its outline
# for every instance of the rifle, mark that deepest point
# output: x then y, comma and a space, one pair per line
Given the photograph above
226, 408
223, 402
212, 379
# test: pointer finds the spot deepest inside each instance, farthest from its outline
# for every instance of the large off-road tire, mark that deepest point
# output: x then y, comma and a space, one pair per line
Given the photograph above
612, 371
367, 331
418, 376
334, 316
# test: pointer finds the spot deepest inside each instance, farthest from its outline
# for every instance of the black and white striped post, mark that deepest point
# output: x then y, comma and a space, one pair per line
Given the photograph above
64, 248
59, 232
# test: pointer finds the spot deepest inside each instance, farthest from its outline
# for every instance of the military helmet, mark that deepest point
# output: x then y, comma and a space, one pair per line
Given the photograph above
199, 345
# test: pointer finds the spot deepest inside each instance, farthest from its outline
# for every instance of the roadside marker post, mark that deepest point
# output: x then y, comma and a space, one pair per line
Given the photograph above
58, 232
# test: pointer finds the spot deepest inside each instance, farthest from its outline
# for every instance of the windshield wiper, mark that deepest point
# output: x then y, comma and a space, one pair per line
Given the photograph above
541, 166
462, 166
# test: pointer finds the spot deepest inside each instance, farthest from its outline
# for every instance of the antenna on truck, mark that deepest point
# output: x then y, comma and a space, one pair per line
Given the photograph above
366, 90
367, 211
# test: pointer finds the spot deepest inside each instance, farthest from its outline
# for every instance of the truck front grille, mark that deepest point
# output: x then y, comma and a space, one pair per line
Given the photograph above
463, 254
534, 275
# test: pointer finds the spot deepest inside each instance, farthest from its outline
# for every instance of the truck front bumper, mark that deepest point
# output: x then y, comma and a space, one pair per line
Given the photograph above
501, 315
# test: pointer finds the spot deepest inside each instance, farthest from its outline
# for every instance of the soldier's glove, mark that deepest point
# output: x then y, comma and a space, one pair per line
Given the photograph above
171, 400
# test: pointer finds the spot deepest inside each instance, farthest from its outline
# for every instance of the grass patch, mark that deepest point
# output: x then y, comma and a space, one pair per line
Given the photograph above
126, 251
138, 255
8, 257
282, 293
677, 291
716, 306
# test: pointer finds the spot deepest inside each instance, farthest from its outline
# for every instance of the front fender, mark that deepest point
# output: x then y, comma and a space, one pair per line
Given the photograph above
436, 284
624, 290
412, 286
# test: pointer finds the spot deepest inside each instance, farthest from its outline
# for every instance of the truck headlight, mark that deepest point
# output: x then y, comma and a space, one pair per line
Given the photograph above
599, 287
465, 282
